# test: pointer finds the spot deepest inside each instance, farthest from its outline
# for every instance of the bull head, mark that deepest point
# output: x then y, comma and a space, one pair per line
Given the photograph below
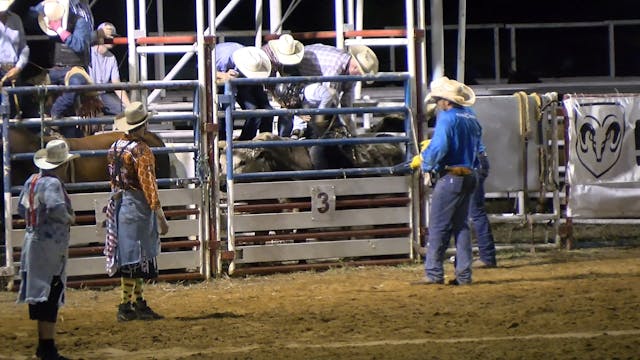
598, 145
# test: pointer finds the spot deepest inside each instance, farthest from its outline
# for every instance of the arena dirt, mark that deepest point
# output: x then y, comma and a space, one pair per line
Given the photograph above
553, 304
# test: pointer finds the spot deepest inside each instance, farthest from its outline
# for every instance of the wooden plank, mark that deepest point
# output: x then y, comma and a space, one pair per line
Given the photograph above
166, 261
89, 234
168, 197
182, 196
323, 250
302, 188
304, 220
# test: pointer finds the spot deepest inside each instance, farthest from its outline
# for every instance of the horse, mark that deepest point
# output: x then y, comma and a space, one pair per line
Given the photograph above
82, 169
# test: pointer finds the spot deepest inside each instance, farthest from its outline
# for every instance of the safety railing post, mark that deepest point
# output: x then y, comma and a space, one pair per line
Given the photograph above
6, 166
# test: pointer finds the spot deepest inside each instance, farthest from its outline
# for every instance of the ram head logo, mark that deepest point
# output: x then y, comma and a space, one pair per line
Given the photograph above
600, 135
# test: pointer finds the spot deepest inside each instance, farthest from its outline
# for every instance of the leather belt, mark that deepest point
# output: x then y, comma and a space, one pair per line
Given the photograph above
458, 170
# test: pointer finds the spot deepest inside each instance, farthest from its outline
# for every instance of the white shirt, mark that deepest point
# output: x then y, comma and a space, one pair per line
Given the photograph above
104, 67
13, 44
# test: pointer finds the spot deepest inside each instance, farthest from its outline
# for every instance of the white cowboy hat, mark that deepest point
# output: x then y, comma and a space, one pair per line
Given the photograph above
53, 10
451, 90
4, 5
252, 62
53, 155
366, 59
134, 115
287, 50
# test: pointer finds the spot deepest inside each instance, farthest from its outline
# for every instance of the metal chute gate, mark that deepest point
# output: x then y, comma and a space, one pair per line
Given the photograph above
183, 254
309, 219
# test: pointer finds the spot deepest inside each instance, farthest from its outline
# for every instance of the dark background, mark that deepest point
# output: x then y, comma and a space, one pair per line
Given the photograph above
565, 52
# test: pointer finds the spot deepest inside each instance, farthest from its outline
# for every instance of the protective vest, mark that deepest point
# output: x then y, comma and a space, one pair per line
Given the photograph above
64, 55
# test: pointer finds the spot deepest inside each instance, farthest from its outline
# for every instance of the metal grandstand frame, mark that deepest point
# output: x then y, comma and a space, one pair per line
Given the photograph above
349, 29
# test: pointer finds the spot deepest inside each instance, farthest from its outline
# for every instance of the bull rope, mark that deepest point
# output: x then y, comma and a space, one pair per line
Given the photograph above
71, 169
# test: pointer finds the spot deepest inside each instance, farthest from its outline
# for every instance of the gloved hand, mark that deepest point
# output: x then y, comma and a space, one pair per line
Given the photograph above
297, 134
12, 74
483, 168
54, 24
416, 162
424, 144
427, 180
162, 222
430, 178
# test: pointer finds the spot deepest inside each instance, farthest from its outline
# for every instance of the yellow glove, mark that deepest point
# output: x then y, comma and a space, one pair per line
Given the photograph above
416, 162
424, 144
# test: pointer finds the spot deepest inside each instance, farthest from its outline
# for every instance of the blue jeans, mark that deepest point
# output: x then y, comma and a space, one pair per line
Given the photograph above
112, 105
250, 97
448, 216
481, 225
285, 125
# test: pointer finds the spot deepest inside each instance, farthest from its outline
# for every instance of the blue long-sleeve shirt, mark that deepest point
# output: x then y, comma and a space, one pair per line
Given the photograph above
224, 55
80, 39
456, 140
81, 35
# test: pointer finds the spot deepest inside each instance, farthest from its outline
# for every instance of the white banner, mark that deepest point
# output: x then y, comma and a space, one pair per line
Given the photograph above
603, 169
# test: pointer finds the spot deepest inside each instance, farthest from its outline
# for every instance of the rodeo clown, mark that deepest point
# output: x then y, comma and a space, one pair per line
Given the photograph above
135, 219
69, 25
46, 208
450, 157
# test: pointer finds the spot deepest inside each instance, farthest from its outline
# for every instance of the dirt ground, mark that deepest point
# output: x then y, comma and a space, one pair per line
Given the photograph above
554, 304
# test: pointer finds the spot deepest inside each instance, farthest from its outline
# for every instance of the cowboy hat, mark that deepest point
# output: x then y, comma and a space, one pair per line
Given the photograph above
4, 5
108, 29
366, 59
78, 70
53, 155
287, 50
252, 62
451, 90
53, 10
134, 115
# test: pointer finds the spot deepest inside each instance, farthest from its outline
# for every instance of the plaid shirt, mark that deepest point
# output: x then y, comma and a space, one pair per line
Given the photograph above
137, 169
326, 60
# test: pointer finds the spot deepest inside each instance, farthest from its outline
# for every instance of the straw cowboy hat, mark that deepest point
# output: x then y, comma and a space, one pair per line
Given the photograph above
78, 70
366, 59
134, 115
252, 62
53, 10
288, 50
451, 90
53, 155
4, 5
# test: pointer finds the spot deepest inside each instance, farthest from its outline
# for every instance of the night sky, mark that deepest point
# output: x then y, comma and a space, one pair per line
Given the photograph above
577, 52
